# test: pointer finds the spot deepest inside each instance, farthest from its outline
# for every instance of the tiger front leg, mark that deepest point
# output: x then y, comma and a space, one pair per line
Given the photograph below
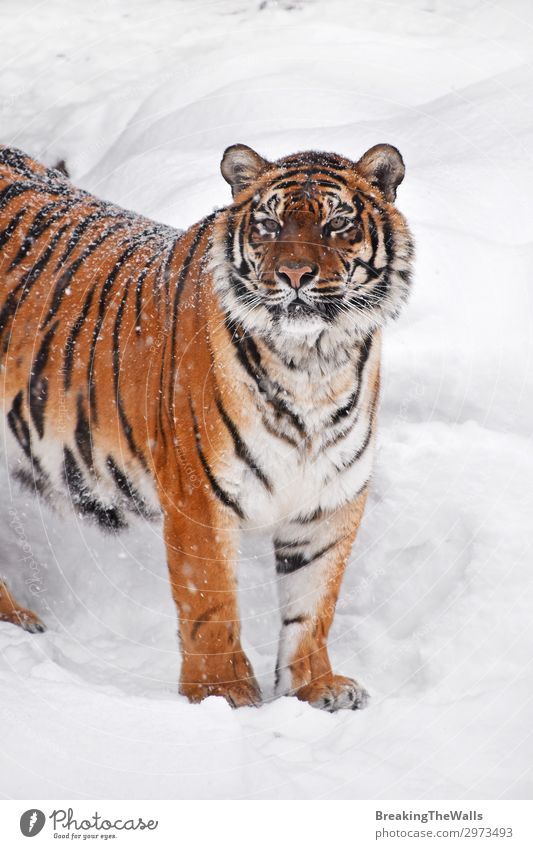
310, 562
201, 554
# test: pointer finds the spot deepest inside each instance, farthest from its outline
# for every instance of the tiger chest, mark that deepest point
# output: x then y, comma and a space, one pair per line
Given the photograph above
296, 480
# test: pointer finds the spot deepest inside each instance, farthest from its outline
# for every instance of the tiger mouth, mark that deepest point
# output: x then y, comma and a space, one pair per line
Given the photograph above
300, 309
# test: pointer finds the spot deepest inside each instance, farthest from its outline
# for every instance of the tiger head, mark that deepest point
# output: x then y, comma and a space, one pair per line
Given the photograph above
312, 242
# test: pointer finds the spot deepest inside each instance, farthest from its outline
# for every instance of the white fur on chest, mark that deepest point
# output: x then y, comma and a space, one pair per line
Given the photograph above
328, 465
303, 479
302, 483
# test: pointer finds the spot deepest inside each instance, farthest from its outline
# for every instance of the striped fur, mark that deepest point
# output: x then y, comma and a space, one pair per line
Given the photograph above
225, 378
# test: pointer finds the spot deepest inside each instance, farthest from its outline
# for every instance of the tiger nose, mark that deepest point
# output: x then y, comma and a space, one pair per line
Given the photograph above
296, 274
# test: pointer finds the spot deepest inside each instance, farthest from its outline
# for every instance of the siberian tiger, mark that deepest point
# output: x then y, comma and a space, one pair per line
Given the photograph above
225, 378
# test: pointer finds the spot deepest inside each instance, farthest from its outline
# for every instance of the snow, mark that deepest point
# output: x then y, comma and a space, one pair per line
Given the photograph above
435, 613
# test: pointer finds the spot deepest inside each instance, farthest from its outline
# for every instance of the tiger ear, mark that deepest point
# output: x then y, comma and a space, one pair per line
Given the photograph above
241, 165
383, 166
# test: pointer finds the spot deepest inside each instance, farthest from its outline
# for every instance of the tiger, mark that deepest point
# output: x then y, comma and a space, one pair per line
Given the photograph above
219, 380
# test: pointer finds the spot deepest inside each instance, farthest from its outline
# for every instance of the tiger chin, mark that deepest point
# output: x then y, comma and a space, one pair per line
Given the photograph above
225, 378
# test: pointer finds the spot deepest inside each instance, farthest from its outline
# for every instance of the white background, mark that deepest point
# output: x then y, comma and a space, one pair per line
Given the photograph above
435, 614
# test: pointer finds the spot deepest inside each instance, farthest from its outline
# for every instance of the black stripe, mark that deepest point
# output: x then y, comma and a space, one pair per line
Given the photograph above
404, 274
204, 617
21, 431
295, 620
65, 279
239, 343
82, 498
167, 269
240, 290
102, 306
244, 267
116, 337
33, 480
282, 355
128, 432
334, 290
360, 451
289, 563
124, 421
328, 171
228, 239
19, 188
241, 351
73, 336
278, 433
245, 348
241, 449
27, 281
229, 247
342, 412
8, 231
126, 488
40, 224
76, 235
371, 199
374, 237
160, 405
18, 161
280, 545
38, 384
82, 435
220, 493
19, 426
310, 517
18, 295
139, 289
329, 184
177, 296
358, 202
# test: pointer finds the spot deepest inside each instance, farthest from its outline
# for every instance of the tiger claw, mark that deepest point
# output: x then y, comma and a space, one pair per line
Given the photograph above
33, 626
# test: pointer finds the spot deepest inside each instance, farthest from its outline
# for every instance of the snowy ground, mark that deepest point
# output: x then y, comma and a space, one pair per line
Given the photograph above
435, 617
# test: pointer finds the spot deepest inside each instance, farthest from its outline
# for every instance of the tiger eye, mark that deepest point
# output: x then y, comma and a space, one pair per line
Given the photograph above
338, 222
270, 225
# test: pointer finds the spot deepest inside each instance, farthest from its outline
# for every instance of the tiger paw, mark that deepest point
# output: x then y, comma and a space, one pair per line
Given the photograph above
237, 693
334, 693
11, 611
24, 619
228, 674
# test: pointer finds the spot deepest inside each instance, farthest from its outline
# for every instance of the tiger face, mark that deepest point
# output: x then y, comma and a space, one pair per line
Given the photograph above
313, 242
